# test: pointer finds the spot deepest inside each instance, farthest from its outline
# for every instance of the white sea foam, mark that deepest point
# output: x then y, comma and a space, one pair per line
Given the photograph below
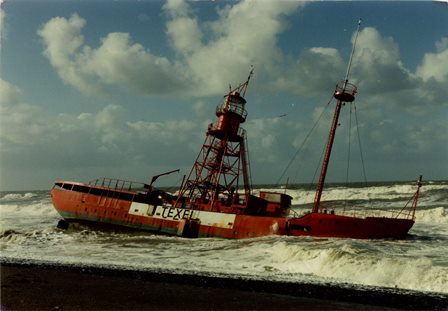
438, 215
331, 260
27, 231
386, 193
345, 263
17, 196
36, 208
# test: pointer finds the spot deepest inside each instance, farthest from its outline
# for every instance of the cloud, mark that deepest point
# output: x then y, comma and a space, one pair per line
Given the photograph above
244, 34
116, 63
207, 56
383, 79
377, 64
11, 94
304, 77
89, 143
164, 133
435, 65
18, 122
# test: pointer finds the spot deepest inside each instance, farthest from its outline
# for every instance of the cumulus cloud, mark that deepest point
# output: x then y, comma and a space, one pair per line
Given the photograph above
103, 140
15, 112
244, 34
383, 79
435, 65
207, 56
304, 77
116, 63
165, 133
377, 64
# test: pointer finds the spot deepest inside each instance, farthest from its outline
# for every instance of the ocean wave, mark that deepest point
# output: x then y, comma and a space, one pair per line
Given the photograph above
402, 264
28, 230
346, 263
429, 194
437, 215
17, 196
36, 208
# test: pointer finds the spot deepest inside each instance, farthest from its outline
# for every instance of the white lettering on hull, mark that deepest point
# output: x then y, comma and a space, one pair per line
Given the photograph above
219, 220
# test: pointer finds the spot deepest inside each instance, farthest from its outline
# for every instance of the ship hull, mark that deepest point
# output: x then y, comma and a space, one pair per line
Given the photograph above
339, 226
87, 208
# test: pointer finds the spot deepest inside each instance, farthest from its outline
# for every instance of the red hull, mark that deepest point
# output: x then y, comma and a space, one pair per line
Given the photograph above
77, 206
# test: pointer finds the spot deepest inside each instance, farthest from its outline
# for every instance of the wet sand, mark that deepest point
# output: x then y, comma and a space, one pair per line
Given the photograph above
31, 286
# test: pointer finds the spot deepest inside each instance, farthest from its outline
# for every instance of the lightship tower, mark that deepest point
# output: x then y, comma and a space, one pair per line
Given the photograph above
221, 168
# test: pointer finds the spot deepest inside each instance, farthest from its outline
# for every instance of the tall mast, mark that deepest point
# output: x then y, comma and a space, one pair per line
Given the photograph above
223, 158
344, 92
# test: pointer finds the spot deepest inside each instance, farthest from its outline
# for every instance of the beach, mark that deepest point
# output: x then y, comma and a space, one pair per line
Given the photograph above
31, 286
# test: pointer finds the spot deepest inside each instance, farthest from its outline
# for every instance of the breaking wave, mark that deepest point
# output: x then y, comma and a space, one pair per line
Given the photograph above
347, 262
28, 232
12, 197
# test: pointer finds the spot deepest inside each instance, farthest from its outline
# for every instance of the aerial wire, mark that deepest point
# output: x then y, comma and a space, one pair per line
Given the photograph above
347, 173
351, 55
360, 147
303, 142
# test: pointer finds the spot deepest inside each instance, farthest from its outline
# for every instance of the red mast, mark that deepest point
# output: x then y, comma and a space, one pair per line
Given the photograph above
223, 158
345, 92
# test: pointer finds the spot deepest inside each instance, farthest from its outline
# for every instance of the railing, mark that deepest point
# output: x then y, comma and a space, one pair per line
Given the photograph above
118, 184
345, 87
377, 213
232, 107
341, 210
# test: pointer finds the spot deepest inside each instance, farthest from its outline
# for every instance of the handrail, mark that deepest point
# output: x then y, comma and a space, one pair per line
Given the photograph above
117, 184
232, 107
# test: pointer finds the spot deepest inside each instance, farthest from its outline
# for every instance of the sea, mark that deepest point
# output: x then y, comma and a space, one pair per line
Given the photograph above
28, 233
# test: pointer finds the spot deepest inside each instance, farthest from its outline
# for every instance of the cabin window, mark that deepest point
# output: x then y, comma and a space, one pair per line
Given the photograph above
80, 188
96, 191
126, 196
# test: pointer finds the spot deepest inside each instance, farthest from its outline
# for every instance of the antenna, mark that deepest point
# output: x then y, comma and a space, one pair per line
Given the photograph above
351, 55
245, 84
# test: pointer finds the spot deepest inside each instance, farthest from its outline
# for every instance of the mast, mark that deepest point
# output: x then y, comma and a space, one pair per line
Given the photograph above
223, 158
344, 92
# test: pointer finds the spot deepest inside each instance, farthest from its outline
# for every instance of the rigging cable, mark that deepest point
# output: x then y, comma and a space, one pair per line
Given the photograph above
362, 157
347, 173
360, 146
304, 141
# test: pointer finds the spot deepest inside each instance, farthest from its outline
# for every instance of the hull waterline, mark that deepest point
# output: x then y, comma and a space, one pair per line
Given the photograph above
112, 212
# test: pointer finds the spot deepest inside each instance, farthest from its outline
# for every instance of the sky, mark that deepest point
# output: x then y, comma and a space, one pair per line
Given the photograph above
126, 89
